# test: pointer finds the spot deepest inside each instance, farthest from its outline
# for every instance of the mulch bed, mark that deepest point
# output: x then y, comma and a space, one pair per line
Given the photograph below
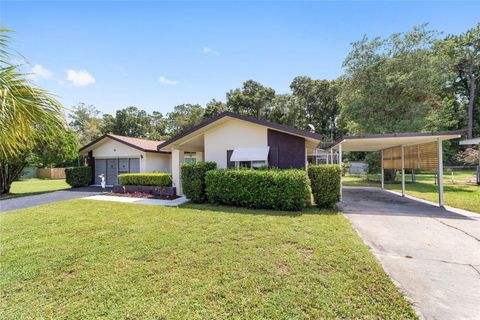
142, 195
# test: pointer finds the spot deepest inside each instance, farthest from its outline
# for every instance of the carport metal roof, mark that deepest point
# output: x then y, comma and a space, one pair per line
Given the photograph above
378, 142
400, 142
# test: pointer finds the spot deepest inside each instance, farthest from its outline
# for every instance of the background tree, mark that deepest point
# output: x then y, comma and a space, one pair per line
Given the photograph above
57, 150
252, 100
464, 53
286, 110
392, 85
318, 99
158, 126
184, 117
130, 121
214, 108
85, 122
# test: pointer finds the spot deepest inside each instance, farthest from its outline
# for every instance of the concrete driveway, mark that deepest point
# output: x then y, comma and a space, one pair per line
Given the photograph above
431, 253
49, 197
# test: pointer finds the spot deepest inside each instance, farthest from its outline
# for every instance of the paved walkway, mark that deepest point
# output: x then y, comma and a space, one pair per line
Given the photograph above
158, 202
431, 253
44, 198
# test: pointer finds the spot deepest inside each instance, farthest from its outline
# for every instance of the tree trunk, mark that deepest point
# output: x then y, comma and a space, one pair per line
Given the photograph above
471, 100
9, 171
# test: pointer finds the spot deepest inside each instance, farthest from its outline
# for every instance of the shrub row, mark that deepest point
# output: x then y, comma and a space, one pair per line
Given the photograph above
266, 189
193, 180
325, 182
146, 179
78, 176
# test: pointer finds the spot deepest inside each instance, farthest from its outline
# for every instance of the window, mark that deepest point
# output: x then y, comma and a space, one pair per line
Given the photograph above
190, 160
250, 164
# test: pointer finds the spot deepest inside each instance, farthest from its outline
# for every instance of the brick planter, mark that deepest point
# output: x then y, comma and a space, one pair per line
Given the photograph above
153, 190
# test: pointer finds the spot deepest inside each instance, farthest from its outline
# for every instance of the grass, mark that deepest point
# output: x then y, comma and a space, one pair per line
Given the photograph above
457, 193
34, 186
85, 259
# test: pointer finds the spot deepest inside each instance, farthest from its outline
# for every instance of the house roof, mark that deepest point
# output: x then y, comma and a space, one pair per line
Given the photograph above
144, 145
377, 142
228, 114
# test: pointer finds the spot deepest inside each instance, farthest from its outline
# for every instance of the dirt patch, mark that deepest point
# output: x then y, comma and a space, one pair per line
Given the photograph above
282, 268
308, 252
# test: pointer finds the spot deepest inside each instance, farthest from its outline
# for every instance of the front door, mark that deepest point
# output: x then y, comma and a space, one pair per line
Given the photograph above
112, 171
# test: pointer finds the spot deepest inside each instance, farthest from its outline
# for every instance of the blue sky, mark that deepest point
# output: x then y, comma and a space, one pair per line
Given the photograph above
155, 55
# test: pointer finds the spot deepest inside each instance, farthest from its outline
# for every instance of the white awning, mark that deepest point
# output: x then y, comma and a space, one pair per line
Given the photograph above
470, 141
250, 154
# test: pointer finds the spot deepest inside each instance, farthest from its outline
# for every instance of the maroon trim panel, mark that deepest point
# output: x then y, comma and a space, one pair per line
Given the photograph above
121, 141
286, 151
244, 118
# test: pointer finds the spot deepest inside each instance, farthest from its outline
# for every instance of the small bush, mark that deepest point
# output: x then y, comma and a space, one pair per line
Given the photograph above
193, 180
146, 179
78, 176
262, 189
325, 181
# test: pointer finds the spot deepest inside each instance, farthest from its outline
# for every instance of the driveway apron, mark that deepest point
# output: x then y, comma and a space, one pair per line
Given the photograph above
44, 198
431, 253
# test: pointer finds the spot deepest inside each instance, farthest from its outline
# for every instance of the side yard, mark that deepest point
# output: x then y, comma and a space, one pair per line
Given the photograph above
90, 259
457, 193
34, 186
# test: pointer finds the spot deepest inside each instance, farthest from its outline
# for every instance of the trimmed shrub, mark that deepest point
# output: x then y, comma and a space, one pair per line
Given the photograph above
78, 176
325, 181
193, 180
146, 179
261, 189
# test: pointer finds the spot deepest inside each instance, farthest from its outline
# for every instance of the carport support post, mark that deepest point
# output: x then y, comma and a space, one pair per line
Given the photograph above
440, 173
382, 171
340, 164
403, 172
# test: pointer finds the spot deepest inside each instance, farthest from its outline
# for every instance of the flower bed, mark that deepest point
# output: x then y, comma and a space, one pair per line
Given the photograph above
143, 195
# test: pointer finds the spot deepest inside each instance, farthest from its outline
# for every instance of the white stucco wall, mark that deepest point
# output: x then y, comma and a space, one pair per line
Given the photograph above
114, 149
149, 162
230, 135
156, 162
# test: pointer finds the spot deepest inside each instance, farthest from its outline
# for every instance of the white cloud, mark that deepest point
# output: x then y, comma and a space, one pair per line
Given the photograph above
80, 78
210, 51
165, 80
39, 72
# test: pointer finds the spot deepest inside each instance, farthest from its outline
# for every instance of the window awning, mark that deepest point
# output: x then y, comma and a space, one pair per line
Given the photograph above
250, 154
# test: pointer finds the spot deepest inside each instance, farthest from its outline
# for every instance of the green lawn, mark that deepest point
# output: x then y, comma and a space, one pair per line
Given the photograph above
85, 259
457, 193
34, 186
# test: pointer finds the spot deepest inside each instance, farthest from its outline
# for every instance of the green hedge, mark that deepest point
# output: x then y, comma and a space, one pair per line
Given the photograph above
193, 180
78, 176
325, 181
146, 179
263, 189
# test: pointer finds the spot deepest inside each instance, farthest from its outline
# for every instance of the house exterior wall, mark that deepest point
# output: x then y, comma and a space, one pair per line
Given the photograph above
230, 135
149, 162
157, 162
114, 149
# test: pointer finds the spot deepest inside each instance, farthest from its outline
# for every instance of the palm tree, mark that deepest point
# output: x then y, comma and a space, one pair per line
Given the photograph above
26, 112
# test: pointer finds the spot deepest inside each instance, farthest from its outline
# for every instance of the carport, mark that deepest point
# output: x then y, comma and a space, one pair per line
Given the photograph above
400, 151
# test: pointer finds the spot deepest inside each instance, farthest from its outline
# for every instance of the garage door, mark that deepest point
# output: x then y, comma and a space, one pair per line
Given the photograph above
100, 168
111, 168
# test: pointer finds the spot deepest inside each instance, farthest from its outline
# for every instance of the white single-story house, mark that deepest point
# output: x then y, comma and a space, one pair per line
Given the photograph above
230, 140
